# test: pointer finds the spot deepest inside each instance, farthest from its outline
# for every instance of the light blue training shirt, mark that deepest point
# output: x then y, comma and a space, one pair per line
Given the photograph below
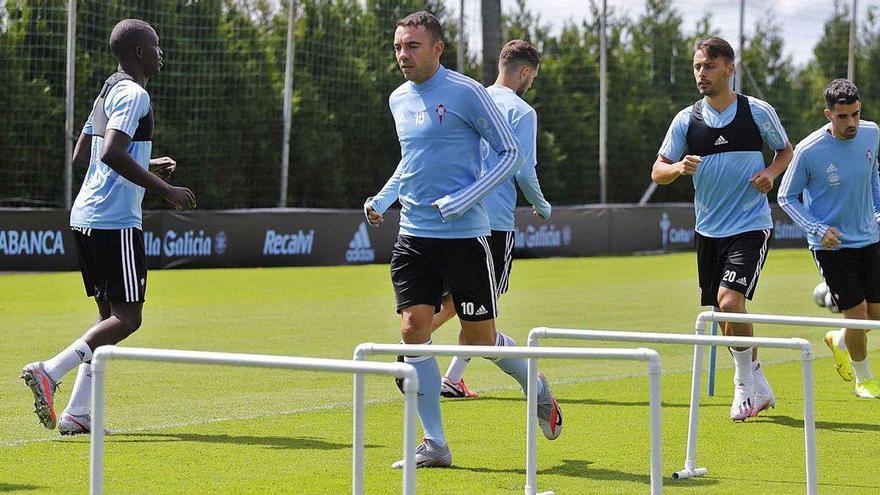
107, 200
840, 185
725, 202
440, 123
501, 202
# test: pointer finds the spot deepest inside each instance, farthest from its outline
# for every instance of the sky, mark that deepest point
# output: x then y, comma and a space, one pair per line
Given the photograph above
801, 20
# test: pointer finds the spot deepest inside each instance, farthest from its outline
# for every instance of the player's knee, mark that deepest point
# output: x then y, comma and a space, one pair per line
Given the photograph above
130, 323
731, 302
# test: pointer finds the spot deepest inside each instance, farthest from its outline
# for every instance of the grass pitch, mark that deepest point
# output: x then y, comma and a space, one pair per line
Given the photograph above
206, 429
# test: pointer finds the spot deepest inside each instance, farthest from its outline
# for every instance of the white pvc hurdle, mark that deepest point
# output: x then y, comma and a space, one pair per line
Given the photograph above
706, 318
690, 466
398, 370
654, 367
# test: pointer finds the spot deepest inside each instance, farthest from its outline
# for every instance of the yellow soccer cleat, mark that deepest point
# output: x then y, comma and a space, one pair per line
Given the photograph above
868, 389
841, 357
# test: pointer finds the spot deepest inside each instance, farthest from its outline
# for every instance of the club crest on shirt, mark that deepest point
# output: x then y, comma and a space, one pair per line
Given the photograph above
440, 111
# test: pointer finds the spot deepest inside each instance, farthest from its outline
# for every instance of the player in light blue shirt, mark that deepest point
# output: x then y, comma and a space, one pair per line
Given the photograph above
718, 141
106, 219
441, 117
835, 170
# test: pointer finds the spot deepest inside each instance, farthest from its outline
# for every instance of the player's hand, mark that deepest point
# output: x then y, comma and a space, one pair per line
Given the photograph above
374, 217
763, 181
180, 197
163, 167
831, 238
688, 165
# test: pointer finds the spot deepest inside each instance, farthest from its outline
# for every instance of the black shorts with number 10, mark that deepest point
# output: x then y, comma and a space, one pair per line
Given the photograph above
421, 265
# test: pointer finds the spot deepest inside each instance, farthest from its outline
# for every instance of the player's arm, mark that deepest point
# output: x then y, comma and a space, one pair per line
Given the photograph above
665, 169
126, 107
82, 151
486, 119
527, 177
875, 193
793, 184
375, 206
774, 135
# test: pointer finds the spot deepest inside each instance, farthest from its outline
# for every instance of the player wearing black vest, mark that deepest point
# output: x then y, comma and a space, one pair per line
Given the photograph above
721, 137
106, 219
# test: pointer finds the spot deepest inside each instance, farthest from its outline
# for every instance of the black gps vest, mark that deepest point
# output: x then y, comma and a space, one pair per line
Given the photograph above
144, 131
741, 134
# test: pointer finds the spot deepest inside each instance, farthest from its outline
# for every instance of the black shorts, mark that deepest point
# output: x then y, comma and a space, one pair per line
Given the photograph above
421, 265
852, 274
113, 263
502, 243
733, 262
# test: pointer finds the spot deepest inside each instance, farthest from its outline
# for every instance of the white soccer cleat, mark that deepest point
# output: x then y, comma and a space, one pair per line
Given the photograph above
74, 425
764, 396
549, 413
743, 402
453, 390
429, 454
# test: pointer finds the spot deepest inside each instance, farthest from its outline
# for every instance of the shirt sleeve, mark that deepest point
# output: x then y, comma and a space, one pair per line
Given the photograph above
675, 143
484, 117
768, 124
527, 177
87, 127
388, 194
794, 182
126, 106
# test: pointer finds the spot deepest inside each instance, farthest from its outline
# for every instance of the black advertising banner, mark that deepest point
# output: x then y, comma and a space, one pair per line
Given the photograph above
41, 239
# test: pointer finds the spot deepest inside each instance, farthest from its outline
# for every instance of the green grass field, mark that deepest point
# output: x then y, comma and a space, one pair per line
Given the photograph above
202, 429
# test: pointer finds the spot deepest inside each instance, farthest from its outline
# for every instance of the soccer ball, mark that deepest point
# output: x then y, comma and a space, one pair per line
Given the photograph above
829, 303
819, 294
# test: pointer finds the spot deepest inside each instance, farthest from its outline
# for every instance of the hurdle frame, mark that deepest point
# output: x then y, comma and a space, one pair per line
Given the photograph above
403, 371
713, 317
363, 351
698, 341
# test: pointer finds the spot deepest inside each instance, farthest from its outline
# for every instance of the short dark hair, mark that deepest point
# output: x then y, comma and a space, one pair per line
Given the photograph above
715, 47
841, 91
423, 18
127, 35
519, 52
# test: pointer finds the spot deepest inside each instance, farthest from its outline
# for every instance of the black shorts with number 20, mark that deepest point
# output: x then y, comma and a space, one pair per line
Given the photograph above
852, 274
421, 265
113, 263
733, 262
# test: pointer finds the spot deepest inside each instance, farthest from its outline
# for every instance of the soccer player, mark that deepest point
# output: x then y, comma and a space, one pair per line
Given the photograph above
723, 134
835, 168
518, 66
115, 143
441, 116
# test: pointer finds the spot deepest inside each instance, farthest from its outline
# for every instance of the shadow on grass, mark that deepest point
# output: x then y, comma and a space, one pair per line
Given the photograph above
12, 487
582, 469
604, 402
874, 488
822, 425
294, 443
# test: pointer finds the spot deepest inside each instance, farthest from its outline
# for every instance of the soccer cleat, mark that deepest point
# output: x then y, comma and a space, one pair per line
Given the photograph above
549, 413
429, 454
43, 387
456, 390
868, 389
764, 396
841, 357
743, 402
69, 424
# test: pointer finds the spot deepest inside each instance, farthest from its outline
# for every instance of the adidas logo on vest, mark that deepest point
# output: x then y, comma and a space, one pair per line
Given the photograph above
720, 141
359, 249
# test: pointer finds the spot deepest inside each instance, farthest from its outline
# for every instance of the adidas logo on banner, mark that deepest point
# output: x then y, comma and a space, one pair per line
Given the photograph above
831, 168
359, 249
481, 311
720, 141
742, 281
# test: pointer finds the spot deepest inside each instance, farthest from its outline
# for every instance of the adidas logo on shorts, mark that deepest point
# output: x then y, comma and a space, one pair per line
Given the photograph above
742, 281
481, 311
